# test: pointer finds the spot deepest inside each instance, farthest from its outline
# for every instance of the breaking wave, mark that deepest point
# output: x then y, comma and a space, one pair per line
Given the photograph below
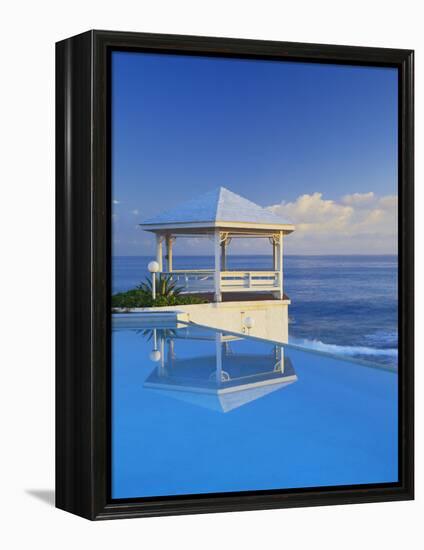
343, 350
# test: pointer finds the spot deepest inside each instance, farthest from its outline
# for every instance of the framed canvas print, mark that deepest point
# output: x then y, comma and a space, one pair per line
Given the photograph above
234, 274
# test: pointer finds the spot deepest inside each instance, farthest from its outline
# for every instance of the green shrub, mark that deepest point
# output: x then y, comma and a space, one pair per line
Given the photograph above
167, 294
140, 298
132, 298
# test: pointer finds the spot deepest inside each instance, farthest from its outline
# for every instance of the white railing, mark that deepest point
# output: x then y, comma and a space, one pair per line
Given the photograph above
249, 280
203, 280
200, 280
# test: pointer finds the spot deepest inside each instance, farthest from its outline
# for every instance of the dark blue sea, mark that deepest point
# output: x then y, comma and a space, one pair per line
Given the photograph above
345, 305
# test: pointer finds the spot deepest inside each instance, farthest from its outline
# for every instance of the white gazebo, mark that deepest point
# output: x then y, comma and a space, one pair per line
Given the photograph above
221, 215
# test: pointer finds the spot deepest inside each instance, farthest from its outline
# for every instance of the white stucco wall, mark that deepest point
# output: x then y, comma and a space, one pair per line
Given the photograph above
270, 317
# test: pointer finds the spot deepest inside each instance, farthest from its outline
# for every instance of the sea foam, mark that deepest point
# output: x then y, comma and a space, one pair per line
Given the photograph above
342, 350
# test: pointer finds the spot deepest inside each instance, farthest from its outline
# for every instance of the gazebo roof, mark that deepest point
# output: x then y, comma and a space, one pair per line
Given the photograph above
221, 400
220, 208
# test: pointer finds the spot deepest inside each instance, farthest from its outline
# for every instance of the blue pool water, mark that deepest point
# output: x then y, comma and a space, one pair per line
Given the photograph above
207, 412
345, 305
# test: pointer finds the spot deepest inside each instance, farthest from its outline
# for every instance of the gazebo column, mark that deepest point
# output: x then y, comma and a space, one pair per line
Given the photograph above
169, 241
159, 259
280, 264
274, 255
217, 275
224, 255
225, 240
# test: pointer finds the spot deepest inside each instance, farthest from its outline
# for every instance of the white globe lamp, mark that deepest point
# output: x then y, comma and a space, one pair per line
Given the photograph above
249, 323
153, 267
155, 356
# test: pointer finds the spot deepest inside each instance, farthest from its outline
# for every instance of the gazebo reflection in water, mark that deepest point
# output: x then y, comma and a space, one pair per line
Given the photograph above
225, 378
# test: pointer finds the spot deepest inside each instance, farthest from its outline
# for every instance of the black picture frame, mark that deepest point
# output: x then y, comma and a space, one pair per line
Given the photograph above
83, 266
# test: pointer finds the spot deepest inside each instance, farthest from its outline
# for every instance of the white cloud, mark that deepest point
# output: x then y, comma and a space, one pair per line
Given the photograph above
361, 223
389, 202
115, 201
312, 212
359, 198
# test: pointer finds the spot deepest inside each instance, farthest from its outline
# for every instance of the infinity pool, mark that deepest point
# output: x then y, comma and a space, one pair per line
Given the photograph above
199, 411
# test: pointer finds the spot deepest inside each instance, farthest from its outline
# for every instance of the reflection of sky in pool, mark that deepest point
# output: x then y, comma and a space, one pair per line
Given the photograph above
214, 413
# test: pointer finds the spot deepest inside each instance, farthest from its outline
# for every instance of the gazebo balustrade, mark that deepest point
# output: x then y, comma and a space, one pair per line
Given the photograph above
194, 280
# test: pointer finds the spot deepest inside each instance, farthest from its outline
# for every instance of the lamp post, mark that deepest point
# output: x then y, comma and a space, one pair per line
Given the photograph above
153, 267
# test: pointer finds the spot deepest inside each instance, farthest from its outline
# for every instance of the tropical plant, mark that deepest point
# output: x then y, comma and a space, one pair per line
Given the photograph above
165, 286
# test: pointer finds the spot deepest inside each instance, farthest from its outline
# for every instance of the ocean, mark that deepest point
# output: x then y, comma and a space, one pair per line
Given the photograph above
345, 305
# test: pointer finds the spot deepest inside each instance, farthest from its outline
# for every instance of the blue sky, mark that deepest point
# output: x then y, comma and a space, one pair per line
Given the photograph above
312, 141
